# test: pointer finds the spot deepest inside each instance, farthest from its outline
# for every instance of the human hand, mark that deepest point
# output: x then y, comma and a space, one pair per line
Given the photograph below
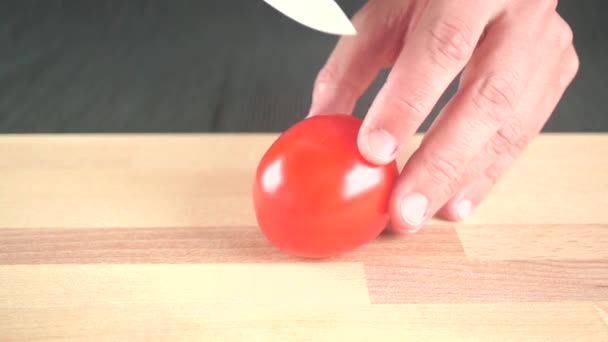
516, 57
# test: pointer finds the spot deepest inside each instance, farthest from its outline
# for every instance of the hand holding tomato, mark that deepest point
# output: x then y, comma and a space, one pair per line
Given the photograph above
516, 57
315, 195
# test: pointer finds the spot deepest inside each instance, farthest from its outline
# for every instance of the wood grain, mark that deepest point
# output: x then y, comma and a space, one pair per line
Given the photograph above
153, 237
196, 245
567, 322
528, 242
464, 281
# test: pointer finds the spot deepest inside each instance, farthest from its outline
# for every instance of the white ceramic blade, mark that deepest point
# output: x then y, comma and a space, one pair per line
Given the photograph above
322, 15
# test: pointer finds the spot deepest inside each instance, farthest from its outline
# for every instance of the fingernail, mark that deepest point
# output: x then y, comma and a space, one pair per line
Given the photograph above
464, 209
413, 209
382, 144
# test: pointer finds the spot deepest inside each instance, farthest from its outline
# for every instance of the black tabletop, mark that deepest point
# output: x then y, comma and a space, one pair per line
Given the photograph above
207, 66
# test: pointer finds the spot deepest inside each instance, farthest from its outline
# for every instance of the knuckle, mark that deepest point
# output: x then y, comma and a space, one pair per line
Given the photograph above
553, 4
543, 6
511, 138
410, 108
549, 5
496, 96
330, 76
408, 102
573, 66
440, 169
450, 42
450, 188
492, 173
519, 145
566, 35
569, 69
498, 144
391, 16
326, 76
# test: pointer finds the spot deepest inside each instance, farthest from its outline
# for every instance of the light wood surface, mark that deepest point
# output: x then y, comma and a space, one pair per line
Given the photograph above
153, 237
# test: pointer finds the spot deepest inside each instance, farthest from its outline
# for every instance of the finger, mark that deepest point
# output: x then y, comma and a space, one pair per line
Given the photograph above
436, 50
499, 75
506, 147
356, 60
559, 72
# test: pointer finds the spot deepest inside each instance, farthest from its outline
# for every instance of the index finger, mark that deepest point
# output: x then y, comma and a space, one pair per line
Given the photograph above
433, 54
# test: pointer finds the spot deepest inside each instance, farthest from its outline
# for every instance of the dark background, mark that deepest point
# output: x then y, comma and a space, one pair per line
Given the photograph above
207, 66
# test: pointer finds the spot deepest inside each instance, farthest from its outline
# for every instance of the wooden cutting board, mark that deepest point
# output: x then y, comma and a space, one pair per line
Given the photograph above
153, 238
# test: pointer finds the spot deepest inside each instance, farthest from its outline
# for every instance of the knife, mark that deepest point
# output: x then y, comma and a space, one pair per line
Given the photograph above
321, 15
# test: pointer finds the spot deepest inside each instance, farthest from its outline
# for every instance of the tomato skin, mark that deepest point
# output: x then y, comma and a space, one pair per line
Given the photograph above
315, 195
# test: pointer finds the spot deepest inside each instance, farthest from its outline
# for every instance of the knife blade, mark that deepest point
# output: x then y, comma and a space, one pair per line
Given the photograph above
321, 15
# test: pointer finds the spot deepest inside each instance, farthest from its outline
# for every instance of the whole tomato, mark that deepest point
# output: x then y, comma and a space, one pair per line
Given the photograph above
314, 194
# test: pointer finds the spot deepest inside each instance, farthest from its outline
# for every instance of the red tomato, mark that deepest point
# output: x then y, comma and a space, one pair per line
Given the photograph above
314, 194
